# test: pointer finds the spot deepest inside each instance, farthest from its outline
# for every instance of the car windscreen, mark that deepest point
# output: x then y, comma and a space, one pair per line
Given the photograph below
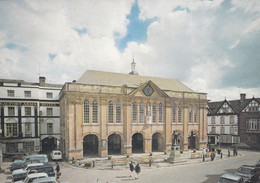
223, 180
245, 170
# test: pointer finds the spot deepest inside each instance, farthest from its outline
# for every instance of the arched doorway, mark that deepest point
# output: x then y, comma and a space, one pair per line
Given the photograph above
90, 145
114, 144
157, 142
137, 143
49, 144
191, 141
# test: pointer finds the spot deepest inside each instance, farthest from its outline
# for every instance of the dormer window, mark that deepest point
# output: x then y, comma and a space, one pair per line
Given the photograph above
49, 95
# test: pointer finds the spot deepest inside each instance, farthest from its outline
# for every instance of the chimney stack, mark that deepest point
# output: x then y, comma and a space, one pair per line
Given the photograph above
42, 81
242, 97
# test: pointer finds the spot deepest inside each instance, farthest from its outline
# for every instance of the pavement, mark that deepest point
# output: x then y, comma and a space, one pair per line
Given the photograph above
159, 160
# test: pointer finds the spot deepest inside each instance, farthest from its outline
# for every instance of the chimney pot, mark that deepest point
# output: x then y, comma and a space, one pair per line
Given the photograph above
42, 81
242, 97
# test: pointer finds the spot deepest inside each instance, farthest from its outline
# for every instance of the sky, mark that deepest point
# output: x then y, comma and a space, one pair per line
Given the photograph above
212, 46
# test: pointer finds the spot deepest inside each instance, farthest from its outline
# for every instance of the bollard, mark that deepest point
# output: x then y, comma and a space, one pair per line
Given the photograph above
112, 166
220, 155
228, 153
203, 157
93, 163
150, 163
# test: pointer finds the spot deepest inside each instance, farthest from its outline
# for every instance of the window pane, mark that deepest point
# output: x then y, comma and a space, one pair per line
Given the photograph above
86, 111
49, 95
118, 112
134, 112
49, 128
174, 113
11, 111
28, 111
49, 112
110, 112
179, 113
160, 113
10, 93
141, 112
95, 111
154, 112
27, 93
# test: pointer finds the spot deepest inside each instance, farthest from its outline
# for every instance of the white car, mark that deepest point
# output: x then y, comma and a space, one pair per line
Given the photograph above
32, 177
56, 155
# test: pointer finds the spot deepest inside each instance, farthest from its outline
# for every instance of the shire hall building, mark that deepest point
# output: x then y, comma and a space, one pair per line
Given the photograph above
112, 113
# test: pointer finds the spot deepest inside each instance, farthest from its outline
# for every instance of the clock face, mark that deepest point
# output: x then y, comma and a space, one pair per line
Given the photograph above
148, 90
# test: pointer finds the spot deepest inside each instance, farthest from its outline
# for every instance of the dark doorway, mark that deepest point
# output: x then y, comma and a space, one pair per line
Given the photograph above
114, 144
191, 141
90, 145
137, 143
157, 142
49, 144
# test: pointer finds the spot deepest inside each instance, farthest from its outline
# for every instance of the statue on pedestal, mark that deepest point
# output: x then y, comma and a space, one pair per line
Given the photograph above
148, 114
175, 137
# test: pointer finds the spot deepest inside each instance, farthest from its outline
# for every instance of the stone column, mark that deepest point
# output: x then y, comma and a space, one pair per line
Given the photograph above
127, 120
168, 127
103, 151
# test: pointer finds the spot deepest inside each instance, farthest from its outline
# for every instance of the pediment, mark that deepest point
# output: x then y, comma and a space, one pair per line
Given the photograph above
252, 106
225, 108
148, 89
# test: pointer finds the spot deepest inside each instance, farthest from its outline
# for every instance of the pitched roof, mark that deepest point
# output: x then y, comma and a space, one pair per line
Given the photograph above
118, 79
237, 105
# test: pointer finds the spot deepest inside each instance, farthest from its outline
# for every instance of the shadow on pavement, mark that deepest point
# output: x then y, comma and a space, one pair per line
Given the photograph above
215, 177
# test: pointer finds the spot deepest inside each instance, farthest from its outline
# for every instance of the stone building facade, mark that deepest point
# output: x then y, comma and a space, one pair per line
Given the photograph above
111, 113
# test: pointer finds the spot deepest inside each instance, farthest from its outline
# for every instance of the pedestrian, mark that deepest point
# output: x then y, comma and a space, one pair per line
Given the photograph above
58, 170
137, 170
203, 153
131, 166
212, 156
235, 150
228, 151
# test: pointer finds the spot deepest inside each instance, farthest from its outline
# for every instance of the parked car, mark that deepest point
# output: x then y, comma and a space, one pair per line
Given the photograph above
47, 168
32, 177
243, 146
21, 164
249, 173
258, 164
43, 158
45, 180
56, 155
230, 178
20, 174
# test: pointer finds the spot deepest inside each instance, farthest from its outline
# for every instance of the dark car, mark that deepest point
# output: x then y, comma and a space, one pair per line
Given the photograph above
258, 164
21, 164
230, 178
47, 168
249, 173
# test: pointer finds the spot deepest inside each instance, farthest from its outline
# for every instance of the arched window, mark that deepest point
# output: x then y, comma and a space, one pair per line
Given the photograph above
160, 113
141, 112
154, 112
110, 112
134, 112
179, 113
174, 113
118, 112
190, 114
195, 114
95, 111
86, 111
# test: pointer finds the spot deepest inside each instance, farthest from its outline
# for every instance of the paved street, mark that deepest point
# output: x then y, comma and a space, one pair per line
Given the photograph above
197, 172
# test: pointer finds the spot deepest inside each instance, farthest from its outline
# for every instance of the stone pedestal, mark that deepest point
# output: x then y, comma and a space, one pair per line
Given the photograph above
171, 158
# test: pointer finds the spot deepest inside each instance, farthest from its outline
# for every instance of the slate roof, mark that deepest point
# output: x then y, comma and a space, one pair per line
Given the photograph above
237, 105
30, 83
118, 79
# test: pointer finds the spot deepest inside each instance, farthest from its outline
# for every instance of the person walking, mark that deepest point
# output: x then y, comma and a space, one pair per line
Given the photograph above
131, 166
203, 154
57, 170
137, 170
